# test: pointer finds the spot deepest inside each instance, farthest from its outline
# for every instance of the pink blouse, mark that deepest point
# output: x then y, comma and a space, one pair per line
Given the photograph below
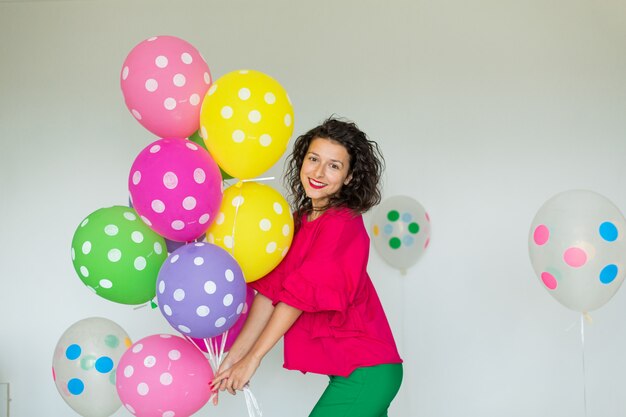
343, 325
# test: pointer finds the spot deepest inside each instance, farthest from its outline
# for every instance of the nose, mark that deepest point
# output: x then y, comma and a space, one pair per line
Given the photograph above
319, 171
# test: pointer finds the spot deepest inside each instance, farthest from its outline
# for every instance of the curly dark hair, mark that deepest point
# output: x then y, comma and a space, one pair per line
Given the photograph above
366, 166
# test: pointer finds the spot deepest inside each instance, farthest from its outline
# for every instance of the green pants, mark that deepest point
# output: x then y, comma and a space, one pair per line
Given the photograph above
367, 392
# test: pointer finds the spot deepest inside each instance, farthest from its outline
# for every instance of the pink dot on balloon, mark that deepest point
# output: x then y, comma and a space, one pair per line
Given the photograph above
548, 280
575, 257
541, 235
426, 243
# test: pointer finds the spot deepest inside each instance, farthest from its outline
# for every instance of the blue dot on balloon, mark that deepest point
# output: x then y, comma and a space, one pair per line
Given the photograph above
406, 217
608, 231
104, 364
75, 386
388, 229
408, 240
72, 352
608, 274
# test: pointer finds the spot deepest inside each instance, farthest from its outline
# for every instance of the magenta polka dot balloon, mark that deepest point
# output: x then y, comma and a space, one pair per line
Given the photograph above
164, 80
577, 249
176, 188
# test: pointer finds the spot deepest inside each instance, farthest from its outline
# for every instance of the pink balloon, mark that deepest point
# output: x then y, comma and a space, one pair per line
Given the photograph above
164, 376
176, 188
234, 331
164, 80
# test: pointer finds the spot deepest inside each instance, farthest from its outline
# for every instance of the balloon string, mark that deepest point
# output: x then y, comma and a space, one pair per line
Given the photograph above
251, 403
259, 179
582, 339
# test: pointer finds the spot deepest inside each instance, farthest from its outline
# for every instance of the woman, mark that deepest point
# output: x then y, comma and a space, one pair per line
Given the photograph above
320, 297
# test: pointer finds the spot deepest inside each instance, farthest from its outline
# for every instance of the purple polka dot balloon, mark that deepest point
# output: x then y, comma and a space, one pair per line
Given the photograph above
201, 290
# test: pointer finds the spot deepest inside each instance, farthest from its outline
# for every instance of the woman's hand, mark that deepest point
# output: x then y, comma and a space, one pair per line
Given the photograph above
237, 376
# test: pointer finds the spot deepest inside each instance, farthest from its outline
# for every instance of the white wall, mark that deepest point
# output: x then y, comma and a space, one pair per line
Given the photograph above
484, 110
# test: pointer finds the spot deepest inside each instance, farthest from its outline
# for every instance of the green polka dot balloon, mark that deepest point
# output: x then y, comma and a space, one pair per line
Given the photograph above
400, 231
117, 255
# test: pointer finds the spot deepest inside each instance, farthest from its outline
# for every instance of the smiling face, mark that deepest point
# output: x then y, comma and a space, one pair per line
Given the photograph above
324, 171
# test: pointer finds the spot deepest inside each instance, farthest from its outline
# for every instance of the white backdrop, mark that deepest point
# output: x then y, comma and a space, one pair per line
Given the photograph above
484, 110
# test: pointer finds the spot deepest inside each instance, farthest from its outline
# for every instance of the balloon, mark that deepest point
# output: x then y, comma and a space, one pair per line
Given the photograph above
165, 376
255, 225
234, 331
201, 291
577, 248
117, 256
84, 363
176, 188
246, 122
163, 80
401, 231
196, 138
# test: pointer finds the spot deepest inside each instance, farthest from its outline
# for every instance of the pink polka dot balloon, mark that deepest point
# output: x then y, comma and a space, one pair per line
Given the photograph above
164, 80
163, 375
577, 249
176, 188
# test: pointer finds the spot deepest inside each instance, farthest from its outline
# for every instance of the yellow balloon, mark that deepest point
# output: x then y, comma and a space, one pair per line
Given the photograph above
246, 122
255, 226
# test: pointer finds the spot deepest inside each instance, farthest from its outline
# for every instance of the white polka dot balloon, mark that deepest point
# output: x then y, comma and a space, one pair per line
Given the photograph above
176, 187
163, 375
577, 248
163, 80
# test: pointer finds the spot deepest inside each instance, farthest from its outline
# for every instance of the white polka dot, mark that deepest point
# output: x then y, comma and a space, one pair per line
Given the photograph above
210, 287
202, 311
173, 355
198, 260
168, 414
212, 89
105, 283
287, 120
170, 180
238, 136
288, 99
243, 71
111, 229
155, 148
136, 177
199, 244
167, 310
270, 98
189, 203
228, 300
286, 230
178, 225
161, 61
207, 78
204, 218
220, 322
161, 287
152, 85
244, 93
140, 263
129, 371
240, 308
114, 255
158, 249
158, 206
186, 58
130, 408
228, 242
265, 225
226, 112
271, 247
152, 39
73, 254
210, 238
229, 275
125, 73
203, 134
136, 237
166, 379
146, 220
237, 201
265, 140
84, 271
220, 218
137, 348
254, 116
184, 328
278, 208
86, 247
143, 389
179, 294
174, 258
191, 146
129, 216
179, 80
199, 176
149, 361
169, 103
194, 99
136, 114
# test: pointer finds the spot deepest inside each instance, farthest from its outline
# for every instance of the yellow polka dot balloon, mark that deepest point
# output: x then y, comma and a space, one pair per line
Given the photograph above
246, 121
255, 226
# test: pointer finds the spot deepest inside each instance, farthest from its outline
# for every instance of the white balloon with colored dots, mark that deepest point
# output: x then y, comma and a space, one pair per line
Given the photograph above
577, 249
401, 231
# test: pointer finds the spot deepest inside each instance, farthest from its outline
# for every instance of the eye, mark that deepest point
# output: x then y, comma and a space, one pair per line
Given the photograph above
335, 166
312, 158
